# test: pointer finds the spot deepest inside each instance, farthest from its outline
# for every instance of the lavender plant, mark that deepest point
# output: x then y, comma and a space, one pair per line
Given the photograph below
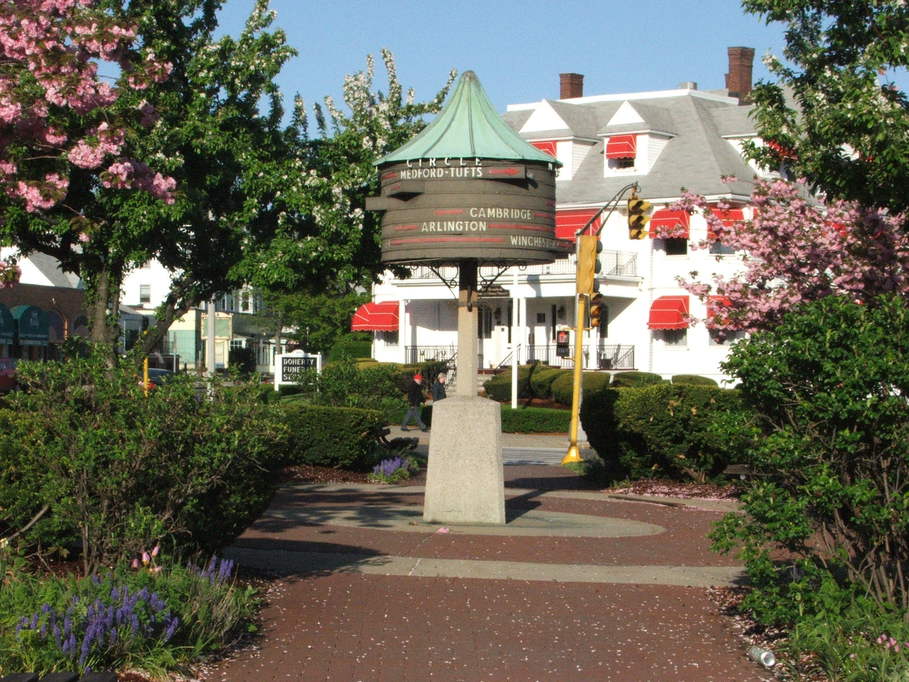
394, 469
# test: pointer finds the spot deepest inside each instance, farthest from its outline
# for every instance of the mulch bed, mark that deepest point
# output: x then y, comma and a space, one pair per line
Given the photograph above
303, 473
668, 488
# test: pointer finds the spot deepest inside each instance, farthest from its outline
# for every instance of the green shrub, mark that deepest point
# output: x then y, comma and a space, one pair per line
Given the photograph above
534, 420
339, 437
635, 379
153, 618
118, 470
349, 349
541, 381
663, 430
693, 380
499, 387
591, 382
829, 386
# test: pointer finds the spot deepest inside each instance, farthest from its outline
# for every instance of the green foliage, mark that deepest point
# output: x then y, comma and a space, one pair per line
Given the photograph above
118, 470
395, 469
350, 347
663, 430
499, 387
591, 383
541, 381
153, 618
692, 380
635, 379
534, 420
834, 94
339, 437
377, 387
832, 440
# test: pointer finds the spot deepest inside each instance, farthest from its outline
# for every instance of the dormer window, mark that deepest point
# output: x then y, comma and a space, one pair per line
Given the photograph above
621, 151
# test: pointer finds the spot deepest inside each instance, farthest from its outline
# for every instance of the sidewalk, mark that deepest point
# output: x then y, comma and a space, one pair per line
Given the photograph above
576, 586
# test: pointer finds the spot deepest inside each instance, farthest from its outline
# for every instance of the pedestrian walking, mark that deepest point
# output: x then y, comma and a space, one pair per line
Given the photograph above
438, 387
415, 403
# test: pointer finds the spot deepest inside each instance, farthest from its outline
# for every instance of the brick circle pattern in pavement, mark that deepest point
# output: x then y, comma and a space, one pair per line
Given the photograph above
332, 620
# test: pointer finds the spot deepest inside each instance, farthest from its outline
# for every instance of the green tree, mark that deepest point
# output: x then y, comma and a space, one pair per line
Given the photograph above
318, 210
847, 130
316, 320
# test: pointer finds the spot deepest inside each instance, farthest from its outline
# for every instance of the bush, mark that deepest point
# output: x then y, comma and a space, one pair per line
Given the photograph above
350, 348
591, 382
242, 359
339, 437
499, 387
534, 420
829, 386
541, 381
663, 430
693, 380
118, 470
635, 379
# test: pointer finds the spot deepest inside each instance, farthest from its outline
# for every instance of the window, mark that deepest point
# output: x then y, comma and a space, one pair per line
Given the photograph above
671, 337
676, 247
721, 338
145, 293
620, 164
388, 338
720, 249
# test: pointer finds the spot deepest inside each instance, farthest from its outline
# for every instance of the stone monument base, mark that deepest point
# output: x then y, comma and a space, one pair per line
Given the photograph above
464, 479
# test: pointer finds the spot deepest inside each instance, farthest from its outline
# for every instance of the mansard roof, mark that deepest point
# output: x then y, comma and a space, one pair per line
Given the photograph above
468, 126
696, 156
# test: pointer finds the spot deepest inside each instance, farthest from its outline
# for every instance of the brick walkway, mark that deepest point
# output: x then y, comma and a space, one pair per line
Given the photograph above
577, 586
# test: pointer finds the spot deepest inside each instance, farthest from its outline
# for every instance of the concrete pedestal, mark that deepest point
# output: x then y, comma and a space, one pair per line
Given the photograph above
464, 477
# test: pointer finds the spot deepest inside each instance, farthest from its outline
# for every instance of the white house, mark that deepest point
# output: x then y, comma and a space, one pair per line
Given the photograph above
663, 140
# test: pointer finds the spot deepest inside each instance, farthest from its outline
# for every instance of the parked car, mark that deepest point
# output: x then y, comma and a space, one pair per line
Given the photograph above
157, 376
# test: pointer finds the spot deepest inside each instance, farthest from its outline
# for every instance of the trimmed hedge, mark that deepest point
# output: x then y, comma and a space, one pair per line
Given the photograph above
693, 380
591, 382
541, 381
534, 420
499, 387
350, 348
663, 430
339, 437
635, 379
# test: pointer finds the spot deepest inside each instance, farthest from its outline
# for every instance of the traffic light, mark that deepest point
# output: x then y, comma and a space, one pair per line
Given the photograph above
589, 247
562, 339
638, 217
596, 310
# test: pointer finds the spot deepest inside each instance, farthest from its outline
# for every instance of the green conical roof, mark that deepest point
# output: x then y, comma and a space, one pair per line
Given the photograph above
468, 127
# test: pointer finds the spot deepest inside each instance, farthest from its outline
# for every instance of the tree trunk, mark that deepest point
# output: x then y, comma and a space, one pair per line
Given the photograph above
103, 307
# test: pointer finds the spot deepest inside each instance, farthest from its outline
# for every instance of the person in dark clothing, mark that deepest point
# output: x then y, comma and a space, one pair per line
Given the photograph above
415, 402
438, 387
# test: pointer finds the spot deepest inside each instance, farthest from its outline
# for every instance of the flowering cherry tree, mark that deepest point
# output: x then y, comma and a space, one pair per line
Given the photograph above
56, 110
796, 249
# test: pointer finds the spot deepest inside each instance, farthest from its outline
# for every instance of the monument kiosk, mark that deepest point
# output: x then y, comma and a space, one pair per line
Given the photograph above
467, 191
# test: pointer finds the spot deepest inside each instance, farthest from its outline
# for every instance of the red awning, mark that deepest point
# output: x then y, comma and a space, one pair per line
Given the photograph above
569, 222
666, 219
717, 307
376, 317
728, 217
621, 147
548, 146
669, 312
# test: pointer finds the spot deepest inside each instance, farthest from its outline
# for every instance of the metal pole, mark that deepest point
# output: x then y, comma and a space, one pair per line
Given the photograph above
574, 453
210, 340
515, 321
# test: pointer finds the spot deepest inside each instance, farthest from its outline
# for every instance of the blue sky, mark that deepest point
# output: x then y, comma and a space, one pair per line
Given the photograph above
516, 47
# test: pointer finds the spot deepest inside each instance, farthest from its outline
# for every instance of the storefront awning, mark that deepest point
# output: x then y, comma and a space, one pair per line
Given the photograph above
621, 147
376, 317
32, 325
675, 222
669, 312
7, 326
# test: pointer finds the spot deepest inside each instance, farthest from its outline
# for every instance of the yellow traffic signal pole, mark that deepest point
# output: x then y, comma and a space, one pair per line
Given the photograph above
584, 275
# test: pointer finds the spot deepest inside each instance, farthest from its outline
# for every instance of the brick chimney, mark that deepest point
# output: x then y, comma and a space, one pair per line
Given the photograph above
738, 80
571, 85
